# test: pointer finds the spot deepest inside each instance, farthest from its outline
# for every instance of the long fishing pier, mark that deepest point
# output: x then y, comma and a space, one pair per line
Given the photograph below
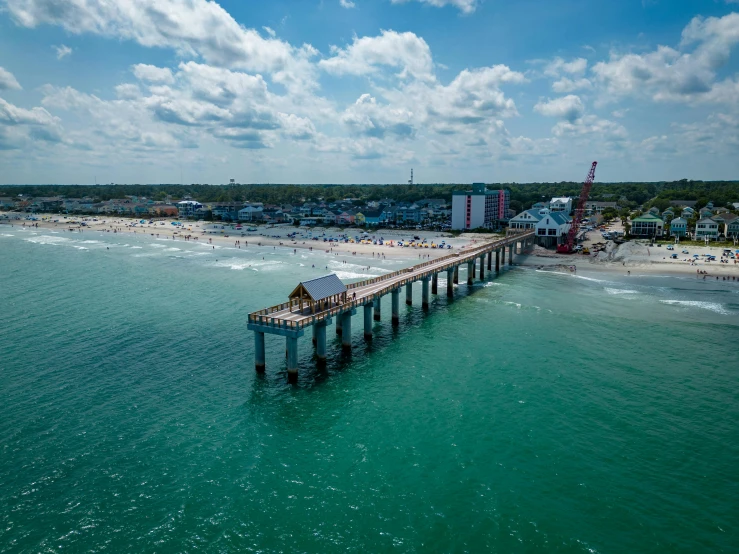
316, 302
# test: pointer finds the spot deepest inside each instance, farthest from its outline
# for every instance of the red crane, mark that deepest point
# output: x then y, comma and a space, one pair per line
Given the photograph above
568, 247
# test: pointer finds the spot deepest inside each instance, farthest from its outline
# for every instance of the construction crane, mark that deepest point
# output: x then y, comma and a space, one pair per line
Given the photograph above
569, 246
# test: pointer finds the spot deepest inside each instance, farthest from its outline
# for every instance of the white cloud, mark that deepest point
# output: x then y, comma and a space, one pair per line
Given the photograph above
62, 51
557, 66
347, 4
128, 91
465, 6
368, 55
36, 123
604, 129
8, 80
568, 107
569, 85
667, 74
152, 73
191, 27
366, 117
13, 115
270, 31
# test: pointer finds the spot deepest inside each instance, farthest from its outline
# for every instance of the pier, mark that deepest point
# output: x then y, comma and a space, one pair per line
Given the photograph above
316, 303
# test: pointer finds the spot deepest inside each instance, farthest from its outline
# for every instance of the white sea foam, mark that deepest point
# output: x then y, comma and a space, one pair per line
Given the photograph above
7, 235
620, 291
712, 306
47, 239
136, 247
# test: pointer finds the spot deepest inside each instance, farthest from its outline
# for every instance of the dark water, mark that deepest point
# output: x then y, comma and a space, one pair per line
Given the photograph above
537, 412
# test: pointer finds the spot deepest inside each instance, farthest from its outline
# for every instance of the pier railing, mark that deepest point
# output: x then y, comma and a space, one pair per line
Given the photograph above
265, 317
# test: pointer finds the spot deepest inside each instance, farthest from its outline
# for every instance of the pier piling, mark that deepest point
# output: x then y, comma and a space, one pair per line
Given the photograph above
292, 359
259, 351
320, 333
346, 334
435, 284
470, 272
368, 322
482, 268
425, 293
409, 294
377, 303
395, 297
456, 275
497, 261
450, 282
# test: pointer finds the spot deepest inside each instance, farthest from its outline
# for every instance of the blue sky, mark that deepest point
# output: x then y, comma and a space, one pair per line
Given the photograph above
360, 91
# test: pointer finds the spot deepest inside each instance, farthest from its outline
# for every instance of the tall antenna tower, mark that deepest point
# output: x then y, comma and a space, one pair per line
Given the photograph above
410, 181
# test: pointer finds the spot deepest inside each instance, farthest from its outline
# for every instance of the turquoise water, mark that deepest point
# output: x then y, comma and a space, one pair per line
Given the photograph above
537, 412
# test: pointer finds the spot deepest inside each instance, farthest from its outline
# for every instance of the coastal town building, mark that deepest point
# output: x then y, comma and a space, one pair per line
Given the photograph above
527, 219
647, 225
187, 208
552, 228
479, 208
598, 207
706, 229
561, 204
679, 227
732, 229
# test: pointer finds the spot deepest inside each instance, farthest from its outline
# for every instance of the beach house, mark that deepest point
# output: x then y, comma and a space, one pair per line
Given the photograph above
552, 228
732, 229
723, 219
706, 229
678, 227
561, 204
527, 219
647, 225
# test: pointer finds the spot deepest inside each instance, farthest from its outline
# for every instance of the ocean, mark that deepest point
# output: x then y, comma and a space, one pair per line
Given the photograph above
536, 412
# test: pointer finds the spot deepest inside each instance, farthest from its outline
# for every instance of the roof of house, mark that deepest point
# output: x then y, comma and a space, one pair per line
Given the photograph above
725, 217
707, 220
649, 216
679, 221
321, 287
533, 212
561, 199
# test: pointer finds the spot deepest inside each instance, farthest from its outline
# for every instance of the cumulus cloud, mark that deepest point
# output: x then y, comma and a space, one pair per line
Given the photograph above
8, 80
368, 55
347, 4
669, 74
36, 123
62, 51
568, 107
191, 27
366, 117
152, 73
591, 125
569, 75
465, 6
13, 115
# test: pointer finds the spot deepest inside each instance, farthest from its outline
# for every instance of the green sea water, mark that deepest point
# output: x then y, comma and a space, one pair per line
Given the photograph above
536, 412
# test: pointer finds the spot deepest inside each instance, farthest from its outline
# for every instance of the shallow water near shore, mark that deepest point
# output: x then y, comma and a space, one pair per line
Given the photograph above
538, 411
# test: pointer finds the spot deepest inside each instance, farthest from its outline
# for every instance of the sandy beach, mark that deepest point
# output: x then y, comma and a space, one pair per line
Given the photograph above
222, 234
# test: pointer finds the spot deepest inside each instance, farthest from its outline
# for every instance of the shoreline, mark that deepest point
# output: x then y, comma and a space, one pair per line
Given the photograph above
627, 259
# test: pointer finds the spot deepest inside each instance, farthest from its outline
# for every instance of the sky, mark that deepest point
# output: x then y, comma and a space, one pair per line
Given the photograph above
361, 91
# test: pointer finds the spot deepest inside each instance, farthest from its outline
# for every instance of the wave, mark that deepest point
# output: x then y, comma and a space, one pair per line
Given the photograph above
712, 306
620, 291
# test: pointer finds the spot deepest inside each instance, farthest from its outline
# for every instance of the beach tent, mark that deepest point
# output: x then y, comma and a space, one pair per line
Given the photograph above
315, 291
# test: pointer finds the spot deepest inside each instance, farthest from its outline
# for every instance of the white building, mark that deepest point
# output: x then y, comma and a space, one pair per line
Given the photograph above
552, 228
527, 219
188, 208
249, 213
479, 207
561, 204
706, 229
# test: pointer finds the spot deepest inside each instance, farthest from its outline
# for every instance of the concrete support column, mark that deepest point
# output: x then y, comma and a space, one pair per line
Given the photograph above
435, 284
395, 297
482, 268
425, 293
346, 333
259, 351
376, 302
474, 267
455, 280
320, 334
368, 322
510, 255
292, 359
339, 322
497, 261
470, 272
490, 260
314, 335
409, 294
450, 282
